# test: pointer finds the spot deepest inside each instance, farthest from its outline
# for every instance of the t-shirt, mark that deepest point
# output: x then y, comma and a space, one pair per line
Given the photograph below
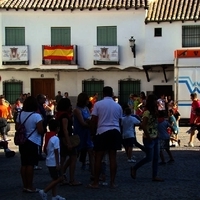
151, 125
195, 104
109, 113
30, 125
128, 125
162, 130
172, 121
4, 111
54, 143
161, 104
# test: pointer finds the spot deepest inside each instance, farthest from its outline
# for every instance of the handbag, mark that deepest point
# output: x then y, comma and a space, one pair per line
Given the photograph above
74, 140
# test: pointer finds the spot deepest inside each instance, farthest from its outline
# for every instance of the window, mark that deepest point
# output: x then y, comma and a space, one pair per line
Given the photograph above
60, 36
12, 90
191, 36
127, 87
14, 36
107, 36
92, 86
157, 32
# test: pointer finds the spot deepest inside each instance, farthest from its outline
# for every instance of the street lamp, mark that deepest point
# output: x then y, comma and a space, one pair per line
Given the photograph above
132, 45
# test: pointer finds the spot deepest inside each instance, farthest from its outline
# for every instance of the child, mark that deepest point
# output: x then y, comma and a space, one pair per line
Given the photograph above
128, 133
175, 128
164, 138
52, 149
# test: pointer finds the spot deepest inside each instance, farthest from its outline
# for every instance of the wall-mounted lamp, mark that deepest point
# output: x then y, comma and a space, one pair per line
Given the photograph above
132, 45
58, 76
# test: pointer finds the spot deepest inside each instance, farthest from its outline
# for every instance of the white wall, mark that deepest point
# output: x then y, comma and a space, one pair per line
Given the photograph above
160, 50
83, 31
83, 34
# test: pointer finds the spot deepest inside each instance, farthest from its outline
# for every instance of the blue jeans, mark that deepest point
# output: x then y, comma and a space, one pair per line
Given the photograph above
152, 154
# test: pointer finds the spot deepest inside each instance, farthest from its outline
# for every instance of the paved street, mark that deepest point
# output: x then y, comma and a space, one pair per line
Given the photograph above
182, 178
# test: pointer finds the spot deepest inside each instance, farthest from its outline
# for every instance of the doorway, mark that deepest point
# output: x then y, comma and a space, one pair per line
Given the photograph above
163, 89
43, 86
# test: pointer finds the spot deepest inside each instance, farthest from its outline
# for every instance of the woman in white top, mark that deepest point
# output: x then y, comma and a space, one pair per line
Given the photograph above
29, 150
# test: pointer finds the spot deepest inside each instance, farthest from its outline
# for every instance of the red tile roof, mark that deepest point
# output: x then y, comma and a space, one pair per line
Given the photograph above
158, 10
72, 4
173, 10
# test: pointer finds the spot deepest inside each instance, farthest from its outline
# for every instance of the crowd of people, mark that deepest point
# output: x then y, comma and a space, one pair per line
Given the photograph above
102, 127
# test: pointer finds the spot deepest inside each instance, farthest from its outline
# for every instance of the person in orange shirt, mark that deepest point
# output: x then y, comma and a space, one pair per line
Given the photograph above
5, 114
93, 100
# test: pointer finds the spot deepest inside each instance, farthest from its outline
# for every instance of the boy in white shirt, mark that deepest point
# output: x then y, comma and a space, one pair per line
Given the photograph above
52, 150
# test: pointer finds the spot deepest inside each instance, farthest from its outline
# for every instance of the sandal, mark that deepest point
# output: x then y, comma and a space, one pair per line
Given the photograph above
64, 181
75, 183
92, 186
133, 173
32, 191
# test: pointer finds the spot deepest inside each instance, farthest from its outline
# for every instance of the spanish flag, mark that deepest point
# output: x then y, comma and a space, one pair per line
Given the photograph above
58, 52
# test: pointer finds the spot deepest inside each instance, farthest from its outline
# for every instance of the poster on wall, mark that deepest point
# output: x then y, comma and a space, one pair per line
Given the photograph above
106, 53
14, 53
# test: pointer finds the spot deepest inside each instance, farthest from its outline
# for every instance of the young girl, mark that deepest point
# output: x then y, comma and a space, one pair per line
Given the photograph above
175, 128
164, 138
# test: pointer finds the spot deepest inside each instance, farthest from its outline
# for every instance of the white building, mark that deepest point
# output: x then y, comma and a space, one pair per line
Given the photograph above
100, 33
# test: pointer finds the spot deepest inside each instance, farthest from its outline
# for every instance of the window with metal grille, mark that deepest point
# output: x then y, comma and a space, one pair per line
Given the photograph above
127, 87
12, 89
191, 36
60, 36
93, 86
106, 36
14, 36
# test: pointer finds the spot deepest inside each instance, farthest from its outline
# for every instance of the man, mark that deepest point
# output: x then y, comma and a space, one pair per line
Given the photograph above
195, 104
5, 114
58, 97
66, 95
105, 124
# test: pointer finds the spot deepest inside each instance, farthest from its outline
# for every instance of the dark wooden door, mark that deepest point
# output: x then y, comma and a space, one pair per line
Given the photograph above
43, 86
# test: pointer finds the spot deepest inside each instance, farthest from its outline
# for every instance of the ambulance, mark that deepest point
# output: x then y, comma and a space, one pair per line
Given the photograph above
186, 79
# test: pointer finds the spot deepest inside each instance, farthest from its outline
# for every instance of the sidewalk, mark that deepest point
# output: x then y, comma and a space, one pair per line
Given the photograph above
182, 178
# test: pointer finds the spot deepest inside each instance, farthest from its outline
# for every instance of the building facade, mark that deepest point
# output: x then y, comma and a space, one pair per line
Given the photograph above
75, 46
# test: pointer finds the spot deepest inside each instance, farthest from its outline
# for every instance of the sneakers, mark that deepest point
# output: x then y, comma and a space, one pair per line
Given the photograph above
37, 167
131, 161
58, 198
43, 195
190, 144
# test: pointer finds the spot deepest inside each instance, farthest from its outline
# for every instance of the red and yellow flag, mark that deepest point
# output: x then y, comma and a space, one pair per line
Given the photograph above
58, 52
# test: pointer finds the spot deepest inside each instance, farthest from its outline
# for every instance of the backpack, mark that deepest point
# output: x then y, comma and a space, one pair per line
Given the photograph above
20, 133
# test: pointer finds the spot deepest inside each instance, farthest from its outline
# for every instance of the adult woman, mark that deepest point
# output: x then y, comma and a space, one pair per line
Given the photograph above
64, 115
150, 138
29, 150
81, 127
